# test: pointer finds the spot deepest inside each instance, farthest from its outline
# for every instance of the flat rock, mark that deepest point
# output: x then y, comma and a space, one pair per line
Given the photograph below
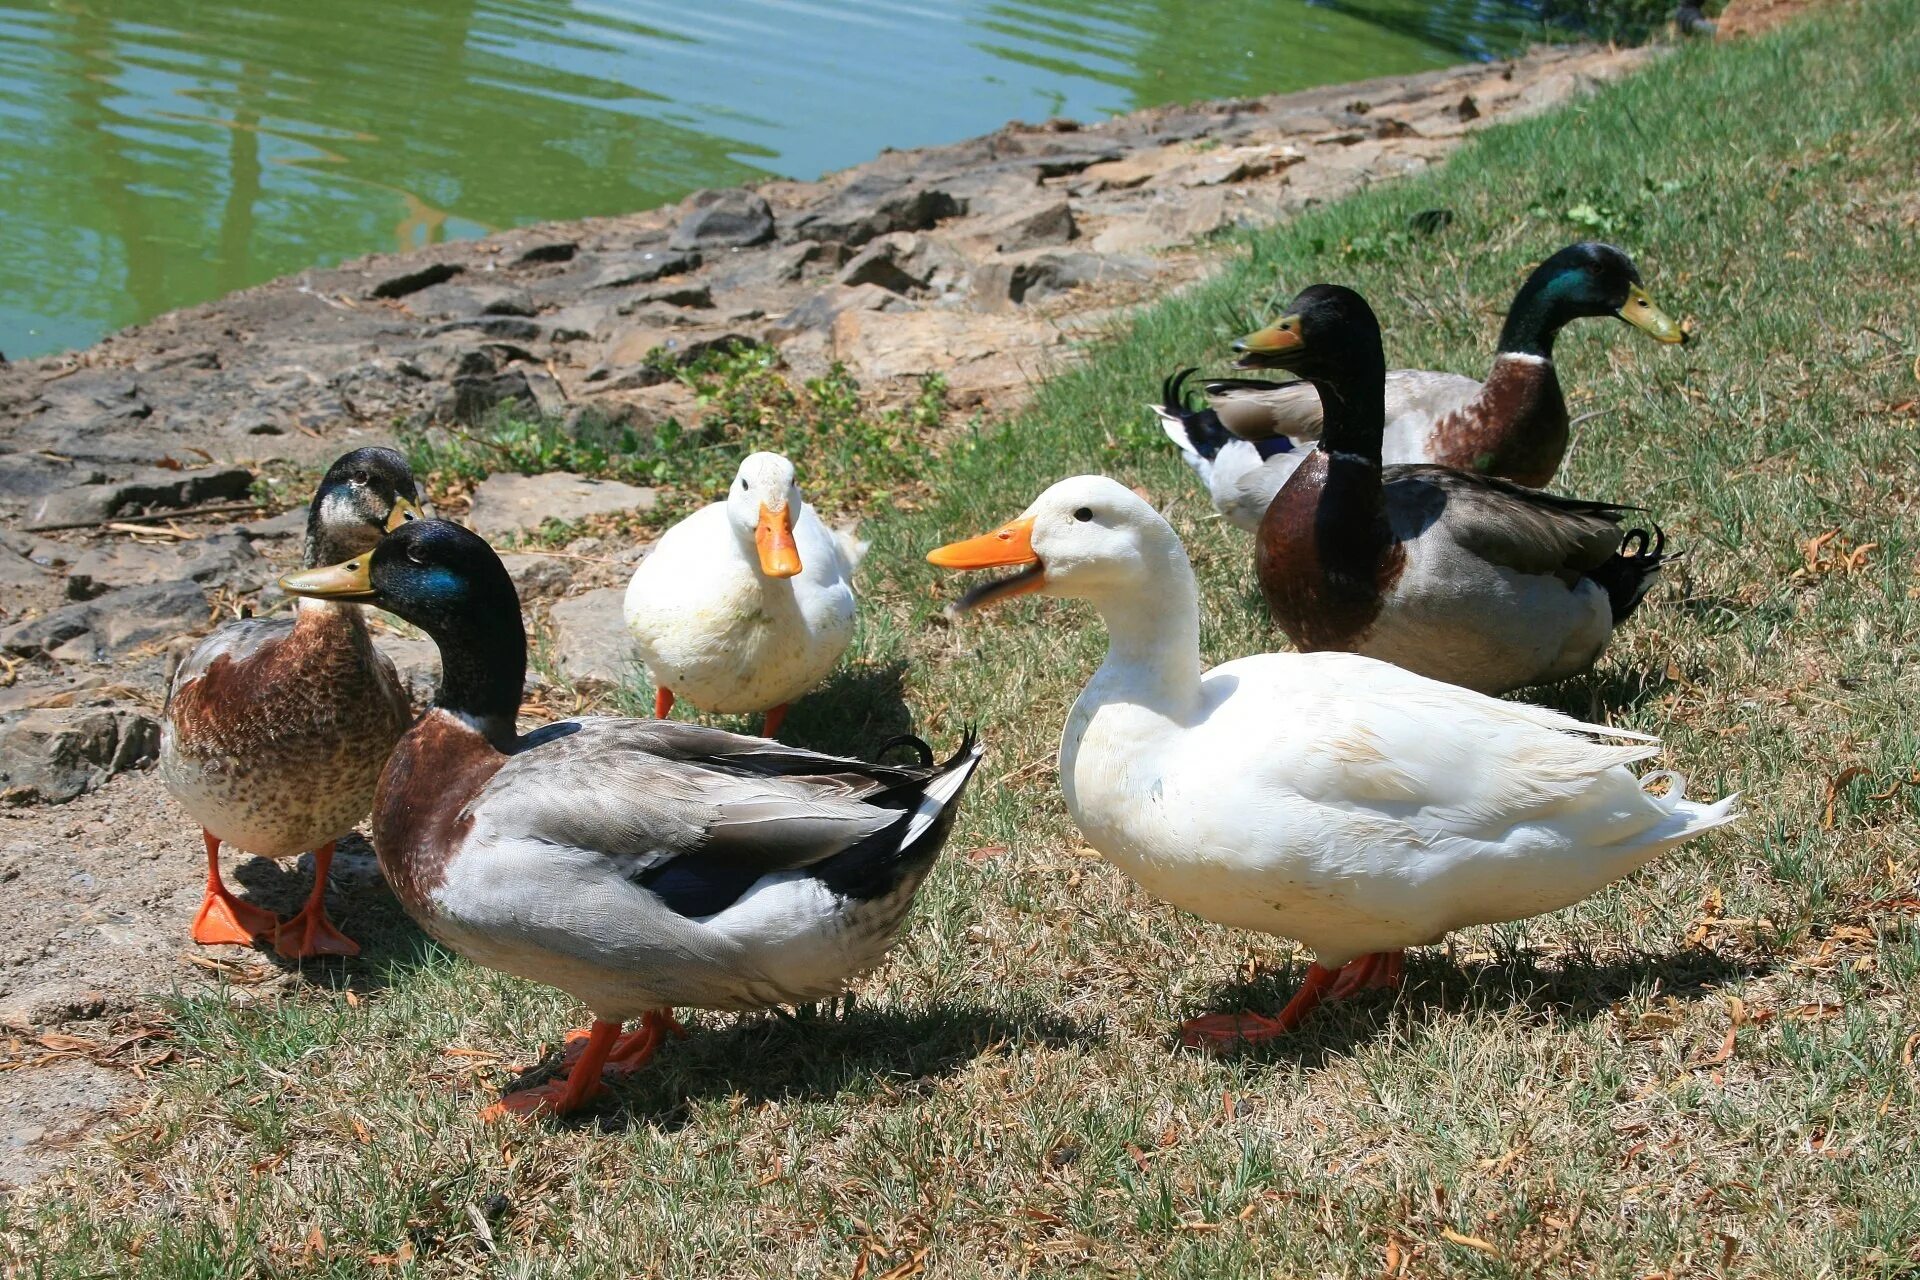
536, 575
591, 645
643, 266
112, 625
1027, 277
47, 1105
149, 489
874, 204
1045, 223
507, 503
732, 219
227, 559
49, 756
417, 662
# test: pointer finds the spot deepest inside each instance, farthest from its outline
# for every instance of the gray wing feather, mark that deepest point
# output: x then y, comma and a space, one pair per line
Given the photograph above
1255, 410
1503, 523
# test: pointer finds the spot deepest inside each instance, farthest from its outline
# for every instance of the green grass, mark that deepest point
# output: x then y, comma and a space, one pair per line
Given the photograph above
1704, 1071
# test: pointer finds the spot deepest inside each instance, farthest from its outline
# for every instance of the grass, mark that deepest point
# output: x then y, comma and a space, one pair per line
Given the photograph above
1707, 1070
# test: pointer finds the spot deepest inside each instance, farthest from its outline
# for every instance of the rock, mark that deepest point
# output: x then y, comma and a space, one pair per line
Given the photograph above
150, 489
878, 264
112, 625
820, 310
417, 662
510, 328
591, 645
907, 344
507, 503
688, 294
581, 321
1228, 164
874, 204
473, 300
1023, 278
552, 251
291, 523
732, 219
1123, 174
537, 575
1038, 225
645, 266
50, 756
413, 281
25, 477
226, 559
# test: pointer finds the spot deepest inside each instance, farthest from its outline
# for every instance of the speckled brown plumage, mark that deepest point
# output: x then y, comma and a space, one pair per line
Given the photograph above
1326, 555
420, 813
276, 730
1515, 428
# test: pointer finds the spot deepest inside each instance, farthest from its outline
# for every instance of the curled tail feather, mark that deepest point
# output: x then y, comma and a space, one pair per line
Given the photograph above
1628, 574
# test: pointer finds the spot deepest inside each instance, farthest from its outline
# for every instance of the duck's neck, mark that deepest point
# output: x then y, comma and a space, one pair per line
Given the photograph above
483, 668
1535, 318
1354, 410
1153, 648
327, 542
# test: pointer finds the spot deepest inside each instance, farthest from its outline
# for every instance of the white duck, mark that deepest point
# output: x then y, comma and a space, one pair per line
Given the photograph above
1325, 797
747, 603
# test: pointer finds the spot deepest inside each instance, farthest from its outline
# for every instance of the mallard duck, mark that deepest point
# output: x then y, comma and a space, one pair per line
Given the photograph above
747, 603
1334, 799
637, 865
275, 729
1514, 425
1459, 576
1241, 475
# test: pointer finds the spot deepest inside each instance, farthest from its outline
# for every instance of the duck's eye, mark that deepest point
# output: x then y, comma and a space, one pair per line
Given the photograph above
414, 557
1084, 513
360, 477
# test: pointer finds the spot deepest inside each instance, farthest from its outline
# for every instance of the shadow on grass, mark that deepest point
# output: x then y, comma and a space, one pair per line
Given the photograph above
1611, 688
361, 906
811, 1055
857, 708
1576, 989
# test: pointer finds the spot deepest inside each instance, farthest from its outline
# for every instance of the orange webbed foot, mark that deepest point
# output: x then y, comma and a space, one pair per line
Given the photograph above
1223, 1031
564, 1097
224, 918
310, 933
632, 1051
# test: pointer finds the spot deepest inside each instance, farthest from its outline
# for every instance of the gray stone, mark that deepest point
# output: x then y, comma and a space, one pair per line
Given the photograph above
150, 489
643, 267
1028, 277
1036, 226
819, 310
511, 328
417, 662
879, 263
537, 575
874, 204
50, 756
227, 559
473, 300
591, 646
551, 252
507, 503
112, 625
732, 219
291, 523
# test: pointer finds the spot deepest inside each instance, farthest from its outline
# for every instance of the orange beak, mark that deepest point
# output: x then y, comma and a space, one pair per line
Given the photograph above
773, 538
1010, 544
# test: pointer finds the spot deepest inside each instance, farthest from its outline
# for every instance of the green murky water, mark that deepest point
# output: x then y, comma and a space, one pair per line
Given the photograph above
155, 153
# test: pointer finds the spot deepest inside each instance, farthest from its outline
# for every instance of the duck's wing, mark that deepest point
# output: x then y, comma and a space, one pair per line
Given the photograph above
237, 641
1256, 408
696, 815
1502, 523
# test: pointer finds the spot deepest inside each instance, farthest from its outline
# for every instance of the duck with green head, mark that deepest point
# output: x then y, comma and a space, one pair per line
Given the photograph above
1514, 425
638, 865
275, 729
1455, 575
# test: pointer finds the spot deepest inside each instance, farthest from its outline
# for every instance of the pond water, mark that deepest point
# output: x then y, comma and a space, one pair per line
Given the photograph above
155, 153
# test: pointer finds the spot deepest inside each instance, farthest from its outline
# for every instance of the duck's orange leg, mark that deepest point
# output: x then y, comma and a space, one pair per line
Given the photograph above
1226, 1030
563, 1097
775, 717
662, 703
633, 1050
223, 917
309, 933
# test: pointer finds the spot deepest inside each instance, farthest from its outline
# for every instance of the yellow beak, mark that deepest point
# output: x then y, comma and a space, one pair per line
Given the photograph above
1269, 348
403, 512
1010, 544
773, 538
1640, 312
348, 580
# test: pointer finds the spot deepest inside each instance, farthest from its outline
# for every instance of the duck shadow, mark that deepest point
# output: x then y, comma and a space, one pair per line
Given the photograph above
1593, 695
360, 904
1577, 989
810, 1055
857, 708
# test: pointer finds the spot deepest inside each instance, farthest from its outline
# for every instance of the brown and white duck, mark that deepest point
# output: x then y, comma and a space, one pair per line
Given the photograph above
1455, 575
276, 729
1514, 425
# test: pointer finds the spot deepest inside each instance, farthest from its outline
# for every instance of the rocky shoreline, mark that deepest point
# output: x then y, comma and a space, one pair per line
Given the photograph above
131, 518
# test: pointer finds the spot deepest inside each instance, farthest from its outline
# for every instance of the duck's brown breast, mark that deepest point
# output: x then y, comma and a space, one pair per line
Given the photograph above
422, 811
1326, 557
1516, 428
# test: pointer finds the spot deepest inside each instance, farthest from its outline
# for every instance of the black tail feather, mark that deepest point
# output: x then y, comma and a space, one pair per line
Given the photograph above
1205, 432
1628, 574
879, 864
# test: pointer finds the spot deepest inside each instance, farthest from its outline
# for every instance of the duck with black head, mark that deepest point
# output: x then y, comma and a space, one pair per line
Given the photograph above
1452, 574
276, 729
638, 865
1514, 425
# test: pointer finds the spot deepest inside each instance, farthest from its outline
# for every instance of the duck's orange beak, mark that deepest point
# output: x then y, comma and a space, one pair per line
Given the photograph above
1010, 544
779, 554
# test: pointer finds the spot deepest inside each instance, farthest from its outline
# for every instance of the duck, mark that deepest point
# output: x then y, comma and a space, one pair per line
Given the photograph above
1329, 798
1241, 475
1513, 426
748, 603
275, 729
638, 865
1451, 574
